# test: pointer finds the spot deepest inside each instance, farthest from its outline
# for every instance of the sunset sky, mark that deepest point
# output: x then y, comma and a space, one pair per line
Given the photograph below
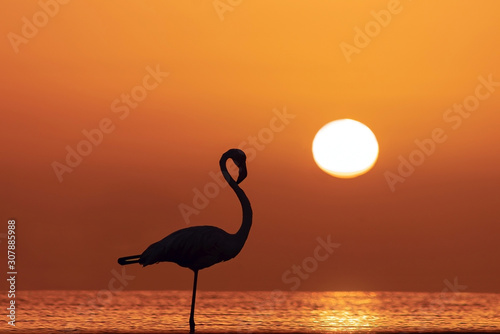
170, 86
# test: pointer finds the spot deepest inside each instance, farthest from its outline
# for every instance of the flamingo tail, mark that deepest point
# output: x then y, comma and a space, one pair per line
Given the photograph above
129, 260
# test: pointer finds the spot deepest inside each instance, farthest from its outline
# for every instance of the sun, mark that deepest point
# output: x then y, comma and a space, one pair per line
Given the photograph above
345, 148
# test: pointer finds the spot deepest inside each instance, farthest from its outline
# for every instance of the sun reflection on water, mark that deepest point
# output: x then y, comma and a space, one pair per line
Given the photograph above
343, 312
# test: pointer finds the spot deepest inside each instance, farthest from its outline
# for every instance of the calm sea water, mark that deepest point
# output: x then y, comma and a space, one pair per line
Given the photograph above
257, 312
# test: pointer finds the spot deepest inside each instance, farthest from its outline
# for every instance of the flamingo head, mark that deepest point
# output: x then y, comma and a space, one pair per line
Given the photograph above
239, 158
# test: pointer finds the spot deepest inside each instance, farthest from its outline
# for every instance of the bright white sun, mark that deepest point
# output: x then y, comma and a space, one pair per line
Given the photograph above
345, 148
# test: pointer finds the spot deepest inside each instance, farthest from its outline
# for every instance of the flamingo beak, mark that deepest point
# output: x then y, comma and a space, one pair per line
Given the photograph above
242, 173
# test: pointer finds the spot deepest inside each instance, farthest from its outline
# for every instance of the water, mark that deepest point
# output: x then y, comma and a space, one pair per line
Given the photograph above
252, 312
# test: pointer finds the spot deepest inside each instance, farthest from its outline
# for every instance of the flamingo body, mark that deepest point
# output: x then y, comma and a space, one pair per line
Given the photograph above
196, 248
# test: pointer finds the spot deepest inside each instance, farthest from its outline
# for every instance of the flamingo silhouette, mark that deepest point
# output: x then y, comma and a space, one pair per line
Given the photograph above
200, 247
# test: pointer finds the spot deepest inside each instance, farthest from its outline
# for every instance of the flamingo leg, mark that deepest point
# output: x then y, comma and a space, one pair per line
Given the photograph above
191, 317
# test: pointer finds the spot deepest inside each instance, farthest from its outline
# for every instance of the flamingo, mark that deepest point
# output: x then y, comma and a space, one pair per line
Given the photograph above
199, 247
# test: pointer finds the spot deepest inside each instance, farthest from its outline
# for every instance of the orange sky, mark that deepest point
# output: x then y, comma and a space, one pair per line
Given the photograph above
225, 78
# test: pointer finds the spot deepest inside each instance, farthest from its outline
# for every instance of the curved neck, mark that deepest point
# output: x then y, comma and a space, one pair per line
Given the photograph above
246, 223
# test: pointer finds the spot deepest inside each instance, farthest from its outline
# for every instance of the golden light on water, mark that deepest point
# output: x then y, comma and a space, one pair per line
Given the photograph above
347, 311
345, 148
348, 320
